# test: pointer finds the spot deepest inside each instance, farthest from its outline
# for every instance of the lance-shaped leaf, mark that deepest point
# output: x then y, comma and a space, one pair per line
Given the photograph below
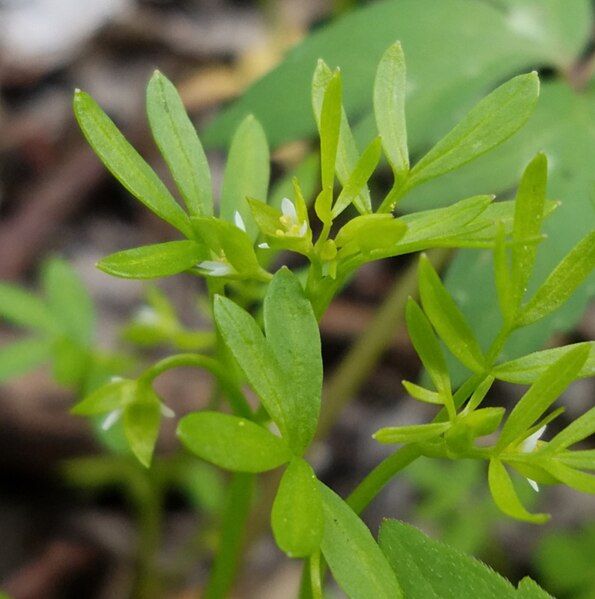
297, 518
142, 418
356, 561
347, 152
22, 356
247, 173
447, 319
528, 216
505, 495
250, 349
126, 164
232, 443
493, 120
24, 309
369, 234
575, 479
153, 261
503, 275
562, 282
293, 336
527, 369
422, 394
179, 145
427, 347
541, 395
415, 433
389, 108
68, 300
106, 398
529, 589
577, 430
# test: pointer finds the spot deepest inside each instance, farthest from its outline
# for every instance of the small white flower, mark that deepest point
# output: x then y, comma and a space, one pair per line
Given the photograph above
111, 419
264, 246
528, 446
239, 221
146, 315
216, 268
290, 221
167, 412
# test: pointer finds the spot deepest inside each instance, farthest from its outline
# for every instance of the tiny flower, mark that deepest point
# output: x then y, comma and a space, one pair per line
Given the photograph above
111, 419
290, 221
217, 268
264, 245
167, 412
528, 446
146, 315
239, 221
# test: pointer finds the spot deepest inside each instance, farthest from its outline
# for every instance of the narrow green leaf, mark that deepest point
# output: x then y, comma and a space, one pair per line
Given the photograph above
153, 261
414, 433
528, 216
575, 479
250, 349
527, 369
71, 363
126, 164
389, 108
422, 394
24, 309
141, 427
358, 565
106, 398
232, 443
562, 282
69, 301
584, 459
330, 124
577, 430
541, 395
493, 120
370, 233
179, 145
297, 518
247, 173
22, 356
427, 347
503, 275
293, 336
505, 495
447, 319
430, 569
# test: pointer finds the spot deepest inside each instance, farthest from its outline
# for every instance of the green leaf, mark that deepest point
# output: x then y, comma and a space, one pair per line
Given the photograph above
447, 319
577, 430
179, 145
69, 301
527, 369
330, 124
427, 347
293, 336
71, 363
126, 164
389, 109
358, 565
575, 479
529, 589
414, 433
562, 282
255, 357
141, 426
153, 261
232, 443
528, 215
247, 173
22, 308
541, 395
503, 275
584, 459
506, 497
297, 518
422, 394
429, 569
22, 356
493, 120
106, 398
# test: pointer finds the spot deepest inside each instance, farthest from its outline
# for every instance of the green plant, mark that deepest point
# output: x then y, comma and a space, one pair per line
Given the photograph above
281, 360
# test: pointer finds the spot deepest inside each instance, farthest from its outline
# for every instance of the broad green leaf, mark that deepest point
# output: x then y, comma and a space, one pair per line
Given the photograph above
141, 426
542, 394
505, 495
255, 357
447, 319
22, 308
492, 121
575, 479
528, 215
427, 347
153, 261
527, 369
389, 109
422, 394
179, 145
22, 356
247, 173
297, 518
232, 443
429, 569
577, 430
415, 433
69, 301
106, 398
126, 164
293, 336
562, 282
357, 564
330, 124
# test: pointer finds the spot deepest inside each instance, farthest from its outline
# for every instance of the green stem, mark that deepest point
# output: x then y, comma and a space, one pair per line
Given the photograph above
235, 516
394, 195
315, 577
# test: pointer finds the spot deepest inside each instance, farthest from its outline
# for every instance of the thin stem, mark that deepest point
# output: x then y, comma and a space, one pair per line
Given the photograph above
315, 578
394, 195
